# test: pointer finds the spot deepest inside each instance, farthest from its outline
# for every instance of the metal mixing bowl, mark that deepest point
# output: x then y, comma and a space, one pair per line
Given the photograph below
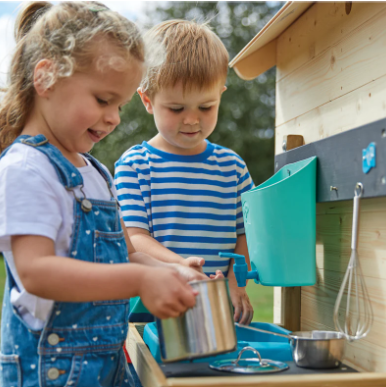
317, 349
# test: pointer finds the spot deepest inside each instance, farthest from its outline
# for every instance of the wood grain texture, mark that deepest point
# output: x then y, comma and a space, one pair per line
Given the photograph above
334, 223
347, 65
290, 308
286, 15
331, 77
321, 26
144, 363
258, 62
359, 107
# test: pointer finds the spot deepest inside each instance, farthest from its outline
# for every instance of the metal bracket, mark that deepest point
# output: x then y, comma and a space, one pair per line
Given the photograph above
342, 162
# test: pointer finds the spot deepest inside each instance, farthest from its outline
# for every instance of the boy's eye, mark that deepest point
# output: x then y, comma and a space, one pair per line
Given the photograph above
176, 110
101, 101
205, 108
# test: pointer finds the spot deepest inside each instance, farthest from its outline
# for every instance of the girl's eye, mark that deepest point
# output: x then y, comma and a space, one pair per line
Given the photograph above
101, 101
205, 108
120, 108
176, 110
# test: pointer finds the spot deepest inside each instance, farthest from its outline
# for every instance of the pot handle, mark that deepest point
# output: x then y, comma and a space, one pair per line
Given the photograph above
255, 351
263, 331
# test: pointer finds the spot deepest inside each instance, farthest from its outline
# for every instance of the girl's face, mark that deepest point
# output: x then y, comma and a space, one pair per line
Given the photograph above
81, 110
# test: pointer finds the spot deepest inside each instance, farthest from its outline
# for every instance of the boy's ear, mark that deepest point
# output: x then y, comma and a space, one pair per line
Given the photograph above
43, 77
145, 100
223, 89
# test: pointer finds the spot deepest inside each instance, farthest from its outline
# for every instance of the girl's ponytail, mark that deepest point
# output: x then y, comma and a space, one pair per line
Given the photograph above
18, 99
28, 16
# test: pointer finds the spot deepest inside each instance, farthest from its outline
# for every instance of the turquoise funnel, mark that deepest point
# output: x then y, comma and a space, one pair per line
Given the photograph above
279, 217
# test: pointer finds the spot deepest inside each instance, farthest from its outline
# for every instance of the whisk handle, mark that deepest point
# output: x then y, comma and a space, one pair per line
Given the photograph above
355, 221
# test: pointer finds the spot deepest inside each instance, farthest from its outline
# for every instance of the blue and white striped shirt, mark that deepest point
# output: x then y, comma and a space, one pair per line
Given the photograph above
190, 204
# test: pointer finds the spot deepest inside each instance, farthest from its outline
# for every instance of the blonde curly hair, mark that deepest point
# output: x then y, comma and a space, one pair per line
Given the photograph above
63, 34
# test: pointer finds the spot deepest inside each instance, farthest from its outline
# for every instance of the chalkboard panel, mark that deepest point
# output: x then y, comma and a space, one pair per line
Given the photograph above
340, 162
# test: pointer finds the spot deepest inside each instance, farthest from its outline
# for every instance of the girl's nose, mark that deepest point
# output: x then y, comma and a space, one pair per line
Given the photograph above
112, 118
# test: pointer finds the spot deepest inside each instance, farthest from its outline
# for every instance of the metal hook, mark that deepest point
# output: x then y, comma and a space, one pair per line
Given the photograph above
358, 187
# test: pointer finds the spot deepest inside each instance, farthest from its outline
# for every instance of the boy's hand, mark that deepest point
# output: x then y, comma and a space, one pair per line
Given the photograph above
241, 303
165, 292
195, 263
189, 273
219, 274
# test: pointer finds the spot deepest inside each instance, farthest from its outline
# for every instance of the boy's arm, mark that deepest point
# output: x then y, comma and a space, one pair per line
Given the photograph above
134, 212
145, 256
239, 296
145, 243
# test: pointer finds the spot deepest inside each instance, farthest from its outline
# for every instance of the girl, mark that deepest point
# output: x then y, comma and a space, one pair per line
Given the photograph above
76, 64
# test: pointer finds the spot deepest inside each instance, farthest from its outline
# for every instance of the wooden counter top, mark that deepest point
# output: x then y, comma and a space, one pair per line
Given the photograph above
151, 374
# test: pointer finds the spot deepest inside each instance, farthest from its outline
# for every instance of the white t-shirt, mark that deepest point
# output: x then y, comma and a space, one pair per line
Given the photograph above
34, 202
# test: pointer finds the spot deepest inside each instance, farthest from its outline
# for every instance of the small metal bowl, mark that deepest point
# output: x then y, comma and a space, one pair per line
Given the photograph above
317, 349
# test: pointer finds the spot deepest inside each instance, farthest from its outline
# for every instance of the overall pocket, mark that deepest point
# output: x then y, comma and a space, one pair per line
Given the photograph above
10, 371
110, 248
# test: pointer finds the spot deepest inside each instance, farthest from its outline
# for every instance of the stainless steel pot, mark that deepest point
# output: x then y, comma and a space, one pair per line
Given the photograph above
313, 349
207, 329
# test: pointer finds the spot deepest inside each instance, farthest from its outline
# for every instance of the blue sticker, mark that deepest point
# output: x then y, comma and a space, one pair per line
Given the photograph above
368, 157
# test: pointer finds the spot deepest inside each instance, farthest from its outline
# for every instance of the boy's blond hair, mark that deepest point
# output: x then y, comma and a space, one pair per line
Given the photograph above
195, 56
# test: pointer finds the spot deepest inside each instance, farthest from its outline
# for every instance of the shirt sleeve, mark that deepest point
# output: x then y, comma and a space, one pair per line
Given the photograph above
28, 205
244, 184
130, 196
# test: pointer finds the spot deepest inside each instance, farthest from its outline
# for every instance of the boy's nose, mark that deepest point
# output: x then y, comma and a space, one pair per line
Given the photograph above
191, 119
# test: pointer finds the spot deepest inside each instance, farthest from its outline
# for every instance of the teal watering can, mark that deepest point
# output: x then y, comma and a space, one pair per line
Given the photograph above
279, 219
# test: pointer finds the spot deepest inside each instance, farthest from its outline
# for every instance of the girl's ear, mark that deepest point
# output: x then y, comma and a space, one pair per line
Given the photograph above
145, 100
43, 77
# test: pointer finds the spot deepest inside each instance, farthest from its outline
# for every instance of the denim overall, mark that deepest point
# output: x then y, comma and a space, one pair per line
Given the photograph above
81, 342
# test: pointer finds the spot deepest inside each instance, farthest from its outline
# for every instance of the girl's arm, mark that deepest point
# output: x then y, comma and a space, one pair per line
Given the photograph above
66, 279
163, 290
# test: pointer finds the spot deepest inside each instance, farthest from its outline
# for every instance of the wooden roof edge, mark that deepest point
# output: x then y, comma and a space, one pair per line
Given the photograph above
286, 15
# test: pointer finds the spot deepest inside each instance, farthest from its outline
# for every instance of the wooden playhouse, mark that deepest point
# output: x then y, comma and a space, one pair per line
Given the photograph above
330, 60
330, 77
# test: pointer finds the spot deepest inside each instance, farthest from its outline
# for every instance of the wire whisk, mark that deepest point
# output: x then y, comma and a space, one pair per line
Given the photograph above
353, 300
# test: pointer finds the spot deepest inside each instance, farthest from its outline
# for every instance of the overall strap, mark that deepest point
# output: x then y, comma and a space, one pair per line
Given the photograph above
98, 166
67, 173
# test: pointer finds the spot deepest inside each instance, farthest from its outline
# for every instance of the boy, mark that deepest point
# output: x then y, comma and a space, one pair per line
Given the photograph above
179, 193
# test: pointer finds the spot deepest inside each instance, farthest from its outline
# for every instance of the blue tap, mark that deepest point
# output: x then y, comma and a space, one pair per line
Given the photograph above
240, 269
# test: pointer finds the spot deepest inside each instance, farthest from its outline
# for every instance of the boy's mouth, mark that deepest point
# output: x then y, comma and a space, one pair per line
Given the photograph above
190, 134
95, 135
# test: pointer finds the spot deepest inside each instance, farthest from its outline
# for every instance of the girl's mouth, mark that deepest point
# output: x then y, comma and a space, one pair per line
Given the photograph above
95, 135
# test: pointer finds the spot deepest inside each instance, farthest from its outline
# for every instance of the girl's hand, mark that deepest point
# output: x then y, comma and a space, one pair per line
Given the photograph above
240, 301
165, 292
195, 263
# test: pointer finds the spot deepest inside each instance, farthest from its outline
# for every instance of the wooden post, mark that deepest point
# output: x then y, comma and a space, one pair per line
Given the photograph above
290, 296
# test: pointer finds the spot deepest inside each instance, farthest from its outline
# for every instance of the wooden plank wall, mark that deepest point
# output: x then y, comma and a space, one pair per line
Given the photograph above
331, 77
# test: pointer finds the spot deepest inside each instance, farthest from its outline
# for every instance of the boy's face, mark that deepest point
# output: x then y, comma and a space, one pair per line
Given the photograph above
184, 120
